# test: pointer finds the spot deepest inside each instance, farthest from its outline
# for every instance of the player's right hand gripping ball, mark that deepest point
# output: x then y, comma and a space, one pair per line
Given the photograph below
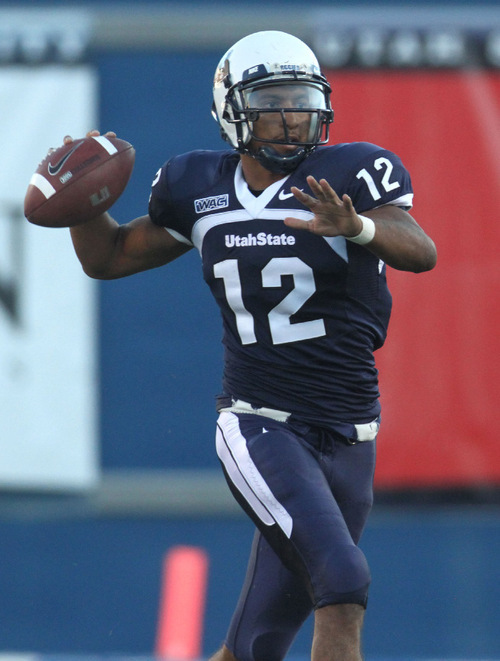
79, 181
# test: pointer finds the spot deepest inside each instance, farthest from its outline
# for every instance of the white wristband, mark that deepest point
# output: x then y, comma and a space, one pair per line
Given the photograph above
366, 234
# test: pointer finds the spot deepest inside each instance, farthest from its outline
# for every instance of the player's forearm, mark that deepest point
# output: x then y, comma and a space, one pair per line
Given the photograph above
95, 244
401, 243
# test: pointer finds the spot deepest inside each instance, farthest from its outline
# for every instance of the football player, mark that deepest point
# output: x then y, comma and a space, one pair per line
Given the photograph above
294, 238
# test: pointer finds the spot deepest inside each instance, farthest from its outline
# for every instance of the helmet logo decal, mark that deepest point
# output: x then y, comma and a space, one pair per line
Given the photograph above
257, 71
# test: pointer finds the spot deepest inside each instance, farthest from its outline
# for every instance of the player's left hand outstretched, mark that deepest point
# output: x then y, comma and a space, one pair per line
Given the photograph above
333, 216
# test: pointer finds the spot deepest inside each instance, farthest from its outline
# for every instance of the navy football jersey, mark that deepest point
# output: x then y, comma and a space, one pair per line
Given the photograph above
302, 314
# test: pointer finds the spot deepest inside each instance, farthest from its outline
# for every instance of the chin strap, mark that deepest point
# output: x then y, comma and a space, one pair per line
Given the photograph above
279, 163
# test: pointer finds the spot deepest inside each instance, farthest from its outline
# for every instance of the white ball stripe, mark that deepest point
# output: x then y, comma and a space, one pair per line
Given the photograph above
105, 143
43, 185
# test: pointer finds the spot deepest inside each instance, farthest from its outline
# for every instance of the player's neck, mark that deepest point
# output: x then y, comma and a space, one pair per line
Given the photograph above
256, 175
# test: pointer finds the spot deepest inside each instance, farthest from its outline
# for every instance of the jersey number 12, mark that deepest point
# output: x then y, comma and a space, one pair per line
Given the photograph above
387, 184
280, 325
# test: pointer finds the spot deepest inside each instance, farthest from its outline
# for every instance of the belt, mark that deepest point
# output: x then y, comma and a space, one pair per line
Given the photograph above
367, 431
364, 432
239, 406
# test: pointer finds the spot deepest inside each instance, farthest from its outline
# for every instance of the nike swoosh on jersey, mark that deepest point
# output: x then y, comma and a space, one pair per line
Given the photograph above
54, 169
284, 196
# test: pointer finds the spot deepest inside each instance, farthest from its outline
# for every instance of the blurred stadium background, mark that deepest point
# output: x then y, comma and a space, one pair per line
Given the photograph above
107, 390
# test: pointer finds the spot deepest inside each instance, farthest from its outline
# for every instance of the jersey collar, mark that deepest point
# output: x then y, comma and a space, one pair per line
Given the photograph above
252, 204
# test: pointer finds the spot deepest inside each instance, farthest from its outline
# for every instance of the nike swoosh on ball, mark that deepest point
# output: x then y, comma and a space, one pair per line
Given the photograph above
54, 169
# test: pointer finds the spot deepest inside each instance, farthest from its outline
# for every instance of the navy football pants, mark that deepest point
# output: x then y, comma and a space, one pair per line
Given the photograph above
309, 492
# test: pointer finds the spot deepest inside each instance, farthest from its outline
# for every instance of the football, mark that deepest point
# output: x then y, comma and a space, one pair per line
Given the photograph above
78, 181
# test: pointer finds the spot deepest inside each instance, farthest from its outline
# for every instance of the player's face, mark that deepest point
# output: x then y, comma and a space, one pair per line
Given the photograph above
285, 113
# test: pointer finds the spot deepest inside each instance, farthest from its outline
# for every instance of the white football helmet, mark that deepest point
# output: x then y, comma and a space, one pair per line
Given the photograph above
245, 87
